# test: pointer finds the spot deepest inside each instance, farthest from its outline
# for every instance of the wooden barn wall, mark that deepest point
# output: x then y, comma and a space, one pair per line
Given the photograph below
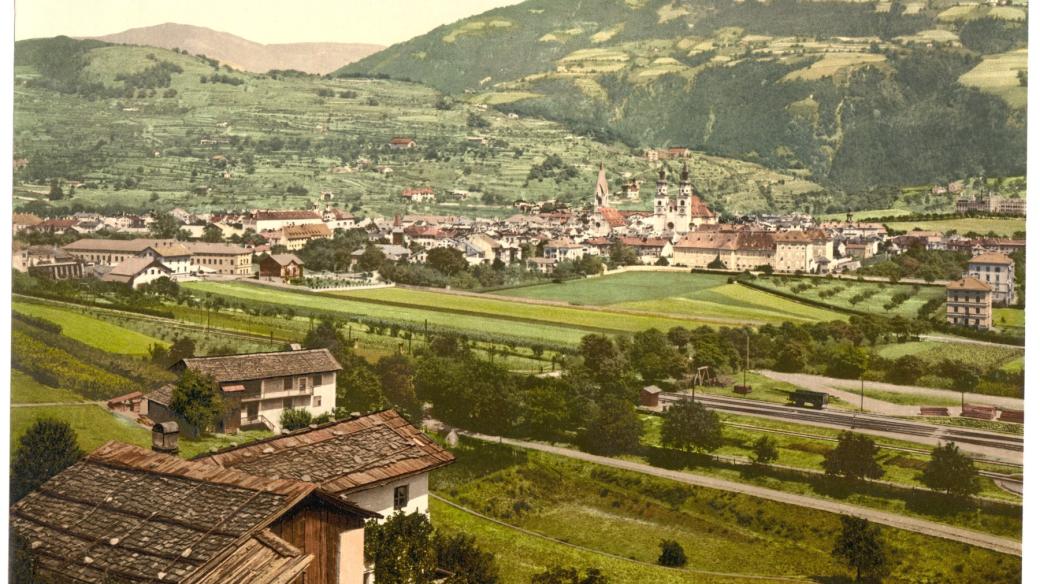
314, 528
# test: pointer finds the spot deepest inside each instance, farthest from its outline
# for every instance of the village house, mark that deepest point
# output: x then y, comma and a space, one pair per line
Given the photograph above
541, 265
998, 271
419, 195
648, 249
378, 462
258, 387
23, 221
142, 516
295, 237
562, 249
55, 226
137, 271
284, 266
969, 302
175, 256
132, 404
391, 252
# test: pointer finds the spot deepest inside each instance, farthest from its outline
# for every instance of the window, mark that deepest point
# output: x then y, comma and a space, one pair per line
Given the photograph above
316, 380
400, 497
287, 383
302, 383
316, 402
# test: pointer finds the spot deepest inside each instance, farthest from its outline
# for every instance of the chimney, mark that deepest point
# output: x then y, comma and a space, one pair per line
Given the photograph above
164, 437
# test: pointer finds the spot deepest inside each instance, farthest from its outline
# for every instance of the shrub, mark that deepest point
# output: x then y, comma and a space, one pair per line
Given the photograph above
295, 419
672, 554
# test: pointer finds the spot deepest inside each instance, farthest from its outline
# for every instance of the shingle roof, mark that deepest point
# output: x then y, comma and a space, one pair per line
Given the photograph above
163, 395
306, 230
149, 517
125, 271
261, 365
203, 247
284, 259
969, 283
342, 457
116, 245
991, 258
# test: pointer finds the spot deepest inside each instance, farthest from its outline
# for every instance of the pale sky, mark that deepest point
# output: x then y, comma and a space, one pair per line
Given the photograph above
383, 22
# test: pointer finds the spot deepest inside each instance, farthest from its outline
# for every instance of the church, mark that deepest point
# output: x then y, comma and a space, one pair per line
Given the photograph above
671, 216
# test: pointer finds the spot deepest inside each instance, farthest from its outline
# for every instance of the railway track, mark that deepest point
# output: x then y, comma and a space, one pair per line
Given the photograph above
854, 420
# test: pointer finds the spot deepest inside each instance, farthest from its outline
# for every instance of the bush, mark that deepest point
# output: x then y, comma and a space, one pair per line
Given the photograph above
295, 419
672, 554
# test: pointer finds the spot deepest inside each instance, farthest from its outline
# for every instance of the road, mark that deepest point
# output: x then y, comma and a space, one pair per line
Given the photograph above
922, 526
821, 383
998, 447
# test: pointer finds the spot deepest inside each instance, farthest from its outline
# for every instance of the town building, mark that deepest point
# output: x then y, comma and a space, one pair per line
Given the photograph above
737, 250
24, 221
175, 256
681, 214
295, 237
401, 143
221, 258
419, 195
969, 302
992, 204
260, 221
258, 387
562, 249
810, 251
998, 271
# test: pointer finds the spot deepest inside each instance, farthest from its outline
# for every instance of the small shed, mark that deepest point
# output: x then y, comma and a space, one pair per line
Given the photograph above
165, 436
131, 403
649, 396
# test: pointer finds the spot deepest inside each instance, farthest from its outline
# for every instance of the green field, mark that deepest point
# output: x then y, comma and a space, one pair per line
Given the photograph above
93, 424
463, 313
689, 295
91, 331
627, 514
1001, 227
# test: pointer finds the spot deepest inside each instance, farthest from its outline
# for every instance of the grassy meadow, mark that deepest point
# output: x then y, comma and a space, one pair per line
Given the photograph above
1002, 227
91, 331
627, 514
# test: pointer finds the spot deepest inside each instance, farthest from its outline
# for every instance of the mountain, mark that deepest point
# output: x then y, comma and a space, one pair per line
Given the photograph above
859, 95
242, 54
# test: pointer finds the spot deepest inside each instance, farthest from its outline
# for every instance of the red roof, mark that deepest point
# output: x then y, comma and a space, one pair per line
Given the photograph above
613, 217
402, 141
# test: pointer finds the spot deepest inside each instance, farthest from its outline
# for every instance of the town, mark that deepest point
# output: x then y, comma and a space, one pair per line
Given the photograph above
599, 292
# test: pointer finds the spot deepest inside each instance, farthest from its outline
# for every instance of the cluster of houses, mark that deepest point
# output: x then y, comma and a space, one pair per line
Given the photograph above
289, 508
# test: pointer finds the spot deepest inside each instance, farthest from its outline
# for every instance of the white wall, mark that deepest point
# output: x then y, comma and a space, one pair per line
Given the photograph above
381, 499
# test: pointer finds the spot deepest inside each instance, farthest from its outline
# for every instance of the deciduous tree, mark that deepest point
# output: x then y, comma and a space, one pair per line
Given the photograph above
48, 447
855, 457
688, 425
951, 472
860, 546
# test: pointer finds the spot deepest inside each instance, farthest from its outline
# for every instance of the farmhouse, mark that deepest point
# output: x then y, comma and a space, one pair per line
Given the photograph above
257, 387
140, 516
137, 272
419, 195
285, 266
379, 462
998, 271
969, 302
175, 256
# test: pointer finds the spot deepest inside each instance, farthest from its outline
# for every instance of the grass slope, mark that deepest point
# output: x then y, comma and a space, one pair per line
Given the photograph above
91, 331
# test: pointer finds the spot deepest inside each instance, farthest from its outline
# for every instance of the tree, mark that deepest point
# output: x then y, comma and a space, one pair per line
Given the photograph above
182, 348
951, 472
560, 575
672, 554
654, 356
371, 259
295, 419
325, 336
614, 428
48, 447
401, 548
848, 362
212, 234
357, 386
860, 546
717, 264
765, 450
55, 194
688, 425
855, 457
165, 226
397, 378
622, 255
468, 564
196, 398
448, 261
602, 358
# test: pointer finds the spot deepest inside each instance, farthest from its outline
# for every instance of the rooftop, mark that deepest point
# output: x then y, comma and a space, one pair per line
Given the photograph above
261, 365
341, 457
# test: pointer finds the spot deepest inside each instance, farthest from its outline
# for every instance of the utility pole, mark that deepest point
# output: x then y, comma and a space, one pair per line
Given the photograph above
747, 364
861, 392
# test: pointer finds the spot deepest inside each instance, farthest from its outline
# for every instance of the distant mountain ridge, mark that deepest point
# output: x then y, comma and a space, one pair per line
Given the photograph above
243, 54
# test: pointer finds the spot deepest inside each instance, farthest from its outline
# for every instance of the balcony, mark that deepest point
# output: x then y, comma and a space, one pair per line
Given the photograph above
279, 394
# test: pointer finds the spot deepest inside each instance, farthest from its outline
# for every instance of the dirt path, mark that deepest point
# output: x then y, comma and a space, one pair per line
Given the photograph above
820, 383
922, 526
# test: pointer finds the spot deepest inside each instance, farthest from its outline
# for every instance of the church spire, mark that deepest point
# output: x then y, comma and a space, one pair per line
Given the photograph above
602, 188
685, 177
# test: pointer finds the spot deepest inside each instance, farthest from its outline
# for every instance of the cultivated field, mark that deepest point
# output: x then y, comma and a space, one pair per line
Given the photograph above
933, 352
91, 331
692, 295
871, 297
998, 74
